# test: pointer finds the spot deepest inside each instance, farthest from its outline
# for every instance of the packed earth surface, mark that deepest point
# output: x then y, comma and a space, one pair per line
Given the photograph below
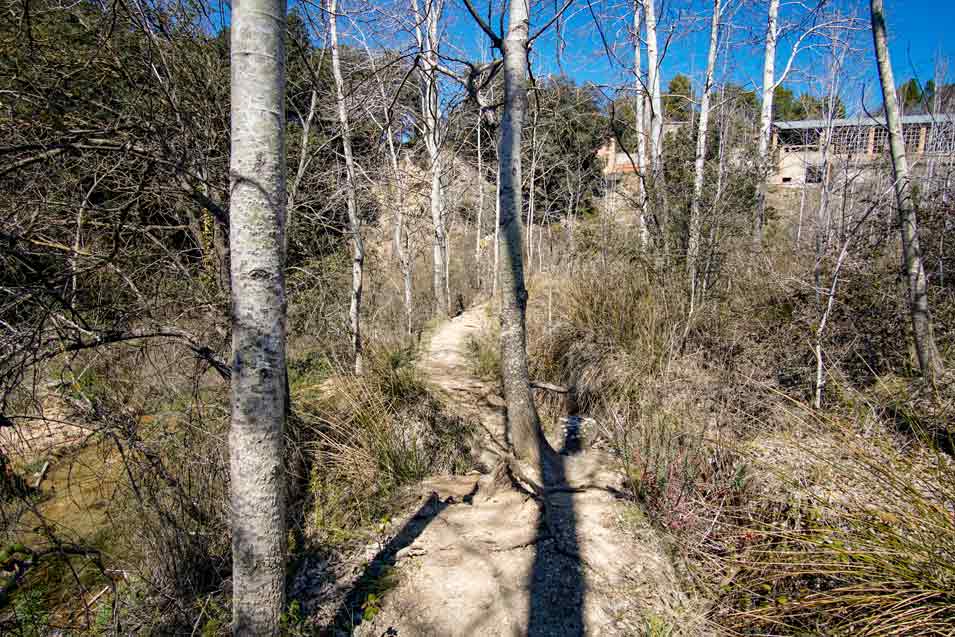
481, 555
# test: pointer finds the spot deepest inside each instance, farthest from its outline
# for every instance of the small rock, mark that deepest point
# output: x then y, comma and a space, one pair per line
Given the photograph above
494, 400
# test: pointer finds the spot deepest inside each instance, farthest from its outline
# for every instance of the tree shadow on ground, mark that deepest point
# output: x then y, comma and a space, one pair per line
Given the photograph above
557, 582
365, 595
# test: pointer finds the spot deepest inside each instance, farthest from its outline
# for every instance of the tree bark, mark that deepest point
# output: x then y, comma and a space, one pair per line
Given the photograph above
358, 248
653, 79
766, 120
693, 240
640, 125
431, 120
657, 183
929, 360
480, 185
523, 424
257, 239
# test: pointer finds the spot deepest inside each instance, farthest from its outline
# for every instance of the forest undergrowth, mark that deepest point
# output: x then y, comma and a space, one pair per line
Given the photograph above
788, 519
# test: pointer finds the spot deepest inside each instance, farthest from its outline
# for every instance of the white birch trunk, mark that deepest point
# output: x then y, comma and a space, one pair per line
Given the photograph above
497, 227
693, 242
653, 79
431, 120
523, 424
358, 248
929, 359
257, 238
480, 186
766, 119
640, 125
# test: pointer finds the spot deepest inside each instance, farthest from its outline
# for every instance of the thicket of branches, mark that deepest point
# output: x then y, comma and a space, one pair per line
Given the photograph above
115, 340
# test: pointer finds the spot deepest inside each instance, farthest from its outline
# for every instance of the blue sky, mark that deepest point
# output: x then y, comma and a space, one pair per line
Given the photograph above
919, 30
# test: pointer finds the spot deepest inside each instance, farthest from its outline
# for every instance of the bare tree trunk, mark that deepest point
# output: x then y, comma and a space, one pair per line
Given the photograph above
693, 242
497, 228
640, 125
830, 301
766, 119
401, 252
358, 252
480, 184
922, 330
653, 79
302, 162
523, 424
657, 183
401, 249
529, 227
802, 211
257, 238
431, 114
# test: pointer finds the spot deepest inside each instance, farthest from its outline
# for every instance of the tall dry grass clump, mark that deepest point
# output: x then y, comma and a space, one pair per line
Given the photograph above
371, 434
863, 543
613, 329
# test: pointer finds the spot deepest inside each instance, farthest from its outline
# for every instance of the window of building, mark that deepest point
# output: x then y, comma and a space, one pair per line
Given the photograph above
880, 141
814, 174
911, 134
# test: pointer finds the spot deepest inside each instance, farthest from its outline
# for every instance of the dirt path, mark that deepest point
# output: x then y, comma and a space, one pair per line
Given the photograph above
475, 559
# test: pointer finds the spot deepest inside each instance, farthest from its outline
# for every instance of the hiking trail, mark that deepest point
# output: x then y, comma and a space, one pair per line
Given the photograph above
476, 558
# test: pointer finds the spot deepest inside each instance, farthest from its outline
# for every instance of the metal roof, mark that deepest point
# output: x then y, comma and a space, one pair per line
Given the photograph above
863, 121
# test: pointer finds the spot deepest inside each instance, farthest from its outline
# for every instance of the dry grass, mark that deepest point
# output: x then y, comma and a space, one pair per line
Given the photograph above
840, 521
371, 435
866, 547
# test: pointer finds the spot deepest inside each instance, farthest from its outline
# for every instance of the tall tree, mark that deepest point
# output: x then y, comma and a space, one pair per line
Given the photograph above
522, 419
930, 361
676, 103
427, 36
772, 81
639, 122
257, 240
354, 223
653, 80
766, 114
526, 438
693, 240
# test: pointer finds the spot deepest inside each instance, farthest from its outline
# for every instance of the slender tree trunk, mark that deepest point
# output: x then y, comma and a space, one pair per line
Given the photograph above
930, 361
439, 243
358, 251
802, 211
302, 162
693, 242
497, 229
830, 301
529, 227
653, 79
658, 185
401, 252
523, 424
401, 248
480, 185
431, 118
640, 125
766, 120
257, 239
